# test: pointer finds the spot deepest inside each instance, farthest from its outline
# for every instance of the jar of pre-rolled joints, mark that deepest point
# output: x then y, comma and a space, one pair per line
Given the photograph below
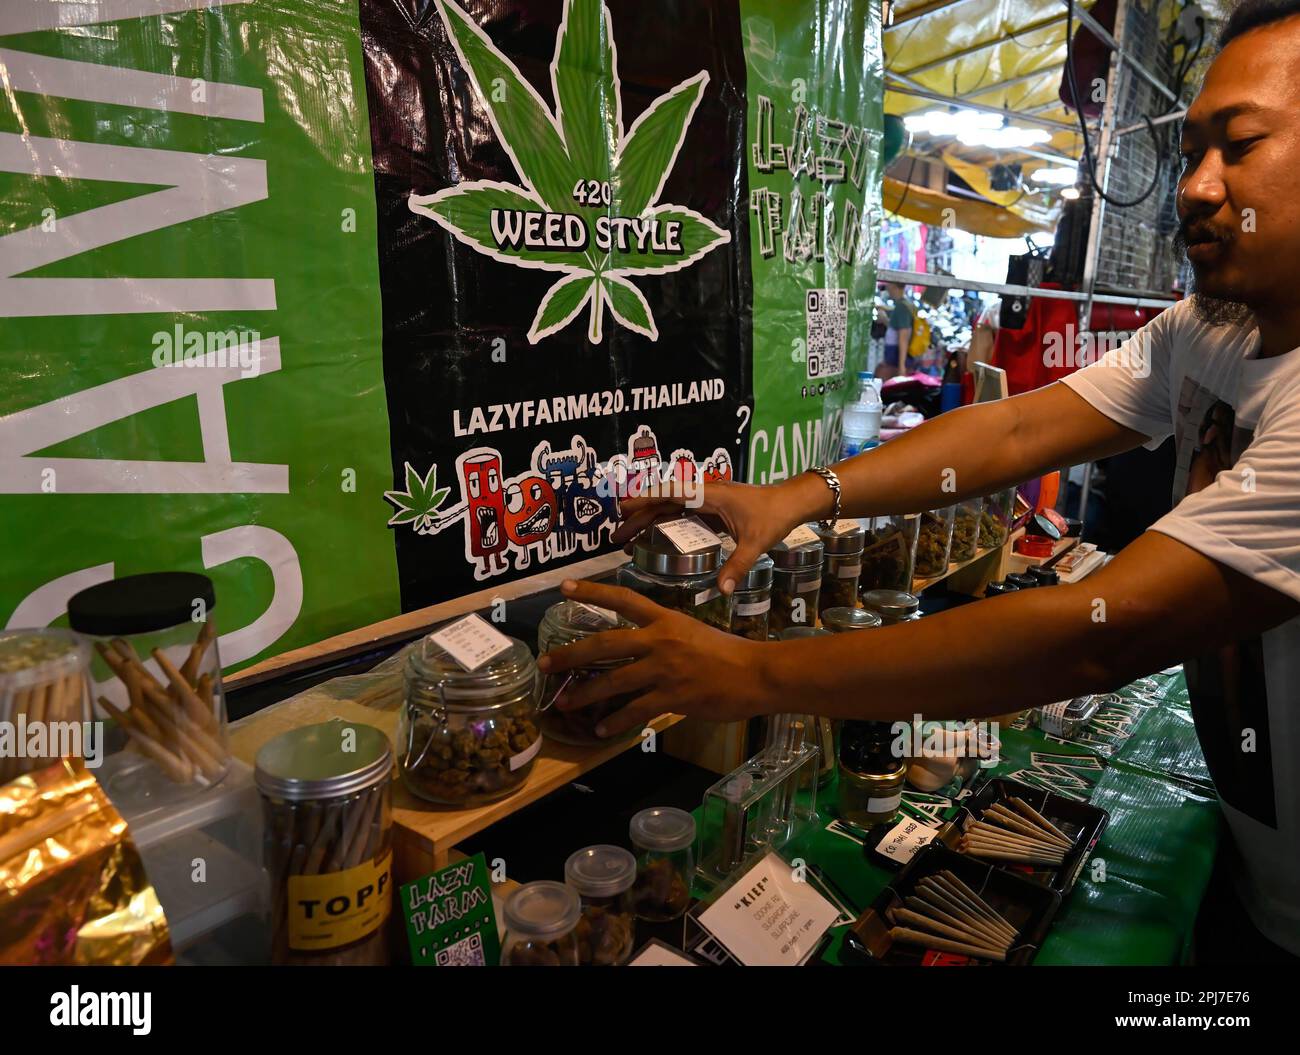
43, 698
327, 843
157, 675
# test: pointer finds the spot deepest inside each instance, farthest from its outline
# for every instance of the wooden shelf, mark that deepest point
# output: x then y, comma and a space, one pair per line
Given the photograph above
424, 835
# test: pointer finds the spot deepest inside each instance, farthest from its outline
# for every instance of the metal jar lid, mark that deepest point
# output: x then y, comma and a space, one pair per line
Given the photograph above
788, 558
653, 553
600, 871
840, 543
321, 761
840, 620
544, 910
502, 678
892, 606
759, 577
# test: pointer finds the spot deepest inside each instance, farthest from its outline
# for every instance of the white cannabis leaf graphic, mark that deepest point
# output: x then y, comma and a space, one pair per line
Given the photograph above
592, 189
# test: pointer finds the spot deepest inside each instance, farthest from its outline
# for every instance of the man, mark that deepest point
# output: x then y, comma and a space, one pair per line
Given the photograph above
898, 337
1216, 582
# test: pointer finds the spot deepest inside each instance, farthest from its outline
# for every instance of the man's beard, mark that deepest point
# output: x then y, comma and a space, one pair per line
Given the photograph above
1211, 310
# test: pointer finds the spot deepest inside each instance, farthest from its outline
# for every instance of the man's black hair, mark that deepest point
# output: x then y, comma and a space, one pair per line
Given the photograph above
1251, 14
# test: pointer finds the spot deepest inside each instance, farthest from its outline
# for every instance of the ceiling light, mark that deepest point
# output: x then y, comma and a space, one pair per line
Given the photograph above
1070, 193
1059, 177
975, 128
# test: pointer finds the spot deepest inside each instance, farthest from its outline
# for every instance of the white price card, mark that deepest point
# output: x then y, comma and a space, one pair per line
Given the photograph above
801, 536
599, 616
657, 954
904, 839
471, 641
688, 535
843, 527
770, 918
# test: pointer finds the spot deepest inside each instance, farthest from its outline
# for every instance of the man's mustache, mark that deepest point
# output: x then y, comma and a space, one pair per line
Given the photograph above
1193, 232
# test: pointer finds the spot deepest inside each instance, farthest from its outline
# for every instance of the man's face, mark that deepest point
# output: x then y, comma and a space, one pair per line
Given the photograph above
1241, 153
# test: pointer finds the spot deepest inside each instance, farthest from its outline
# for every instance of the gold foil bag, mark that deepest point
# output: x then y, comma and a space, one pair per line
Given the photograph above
73, 889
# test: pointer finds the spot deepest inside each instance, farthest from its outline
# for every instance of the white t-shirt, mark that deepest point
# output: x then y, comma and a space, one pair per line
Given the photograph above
1236, 422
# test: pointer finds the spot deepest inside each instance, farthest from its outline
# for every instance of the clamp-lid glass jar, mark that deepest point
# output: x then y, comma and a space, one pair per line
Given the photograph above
796, 582
893, 606
541, 922
664, 839
965, 530
43, 688
753, 601
158, 675
683, 582
842, 543
466, 738
603, 877
889, 552
934, 542
564, 624
327, 842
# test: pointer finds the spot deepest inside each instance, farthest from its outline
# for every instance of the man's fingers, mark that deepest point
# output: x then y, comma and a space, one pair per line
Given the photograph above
637, 521
641, 711
598, 648
737, 567
621, 681
628, 603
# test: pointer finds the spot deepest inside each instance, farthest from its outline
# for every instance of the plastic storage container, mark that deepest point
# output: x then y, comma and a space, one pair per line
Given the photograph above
467, 738
889, 552
842, 544
157, 674
753, 602
965, 530
934, 542
893, 606
43, 697
796, 582
603, 877
541, 921
327, 837
996, 517
564, 624
664, 840
683, 582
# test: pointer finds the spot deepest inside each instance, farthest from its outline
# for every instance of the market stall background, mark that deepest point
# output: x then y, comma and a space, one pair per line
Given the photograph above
402, 396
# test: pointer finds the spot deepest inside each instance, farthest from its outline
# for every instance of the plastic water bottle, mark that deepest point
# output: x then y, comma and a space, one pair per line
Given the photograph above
861, 423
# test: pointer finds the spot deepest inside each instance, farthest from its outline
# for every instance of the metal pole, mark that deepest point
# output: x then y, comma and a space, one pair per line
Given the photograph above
966, 104
1114, 42
923, 278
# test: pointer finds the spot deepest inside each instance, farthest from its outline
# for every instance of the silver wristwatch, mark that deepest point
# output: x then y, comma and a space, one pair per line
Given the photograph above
833, 482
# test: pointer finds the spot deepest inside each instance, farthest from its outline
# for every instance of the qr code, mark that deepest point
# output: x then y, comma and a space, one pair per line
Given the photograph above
468, 952
828, 318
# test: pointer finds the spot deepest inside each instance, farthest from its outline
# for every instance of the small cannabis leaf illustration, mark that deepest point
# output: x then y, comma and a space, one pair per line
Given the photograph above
589, 202
420, 501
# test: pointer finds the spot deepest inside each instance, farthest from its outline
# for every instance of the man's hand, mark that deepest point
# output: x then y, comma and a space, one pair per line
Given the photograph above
757, 517
680, 665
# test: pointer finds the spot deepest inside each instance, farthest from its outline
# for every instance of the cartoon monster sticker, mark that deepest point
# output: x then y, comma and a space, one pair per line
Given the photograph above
586, 503
643, 460
718, 467
482, 507
530, 514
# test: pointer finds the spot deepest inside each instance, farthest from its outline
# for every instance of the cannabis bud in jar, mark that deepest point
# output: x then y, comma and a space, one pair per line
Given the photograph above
796, 580
842, 543
541, 922
564, 624
682, 582
603, 876
664, 839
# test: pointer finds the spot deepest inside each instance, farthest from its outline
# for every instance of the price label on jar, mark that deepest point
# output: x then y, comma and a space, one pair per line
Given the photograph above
592, 615
688, 535
849, 571
843, 527
904, 839
801, 536
471, 641
754, 607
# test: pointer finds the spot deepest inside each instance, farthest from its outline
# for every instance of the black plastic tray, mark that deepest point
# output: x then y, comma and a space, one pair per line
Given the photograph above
1078, 821
1029, 907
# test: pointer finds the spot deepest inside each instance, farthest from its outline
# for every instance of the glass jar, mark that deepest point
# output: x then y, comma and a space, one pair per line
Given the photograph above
843, 565
934, 542
327, 842
541, 921
603, 877
871, 774
818, 731
889, 552
564, 624
796, 583
995, 520
43, 688
466, 738
682, 582
157, 673
753, 601
965, 530
664, 840
893, 606
840, 620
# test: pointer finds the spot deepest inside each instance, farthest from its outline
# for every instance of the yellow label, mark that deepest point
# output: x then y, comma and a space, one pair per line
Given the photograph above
332, 910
